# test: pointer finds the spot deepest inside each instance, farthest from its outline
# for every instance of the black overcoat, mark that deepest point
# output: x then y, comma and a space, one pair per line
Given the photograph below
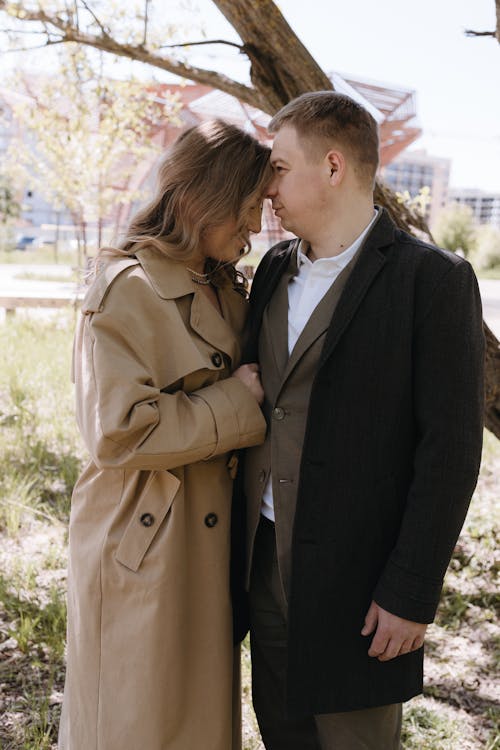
390, 460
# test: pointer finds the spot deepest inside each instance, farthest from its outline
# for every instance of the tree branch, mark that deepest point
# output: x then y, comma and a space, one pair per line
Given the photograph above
470, 32
106, 43
104, 30
210, 41
48, 43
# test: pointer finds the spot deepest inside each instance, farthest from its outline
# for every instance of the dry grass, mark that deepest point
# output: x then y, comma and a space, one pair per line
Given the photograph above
41, 455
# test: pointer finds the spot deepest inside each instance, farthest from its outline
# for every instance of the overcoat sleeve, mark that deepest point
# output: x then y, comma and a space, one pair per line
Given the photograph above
448, 406
126, 419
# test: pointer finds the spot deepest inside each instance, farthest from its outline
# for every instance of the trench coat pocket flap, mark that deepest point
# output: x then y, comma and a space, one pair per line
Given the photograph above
154, 504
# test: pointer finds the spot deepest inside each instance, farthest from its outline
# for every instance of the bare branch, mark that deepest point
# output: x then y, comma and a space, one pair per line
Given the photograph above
22, 31
48, 43
146, 21
104, 30
106, 43
471, 33
210, 41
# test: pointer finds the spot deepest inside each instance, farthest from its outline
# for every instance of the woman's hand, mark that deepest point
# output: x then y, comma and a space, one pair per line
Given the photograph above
249, 375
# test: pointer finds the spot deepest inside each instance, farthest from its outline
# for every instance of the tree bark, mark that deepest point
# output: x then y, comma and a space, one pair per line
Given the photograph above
281, 69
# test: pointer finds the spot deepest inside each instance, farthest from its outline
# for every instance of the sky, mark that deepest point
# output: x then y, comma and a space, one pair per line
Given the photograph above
418, 45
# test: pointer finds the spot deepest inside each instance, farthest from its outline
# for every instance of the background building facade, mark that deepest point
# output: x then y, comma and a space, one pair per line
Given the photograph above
485, 206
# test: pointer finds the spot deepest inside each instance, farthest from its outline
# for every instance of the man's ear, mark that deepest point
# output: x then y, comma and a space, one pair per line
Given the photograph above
336, 166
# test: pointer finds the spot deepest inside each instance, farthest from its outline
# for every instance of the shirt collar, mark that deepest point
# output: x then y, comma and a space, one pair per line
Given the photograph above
336, 262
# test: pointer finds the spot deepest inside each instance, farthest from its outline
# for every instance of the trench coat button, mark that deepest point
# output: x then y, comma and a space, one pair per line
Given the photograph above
278, 413
262, 475
147, 519
211, 520
216, 359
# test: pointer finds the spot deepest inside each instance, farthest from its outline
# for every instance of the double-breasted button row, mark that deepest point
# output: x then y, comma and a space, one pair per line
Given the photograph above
211, 520
216, 359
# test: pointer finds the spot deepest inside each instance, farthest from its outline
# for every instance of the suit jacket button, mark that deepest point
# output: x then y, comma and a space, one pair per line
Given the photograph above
211, 520
216, 359
147, 519
278, 413
262, 475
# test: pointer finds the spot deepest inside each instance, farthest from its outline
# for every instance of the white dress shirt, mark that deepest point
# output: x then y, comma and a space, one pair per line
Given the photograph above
305, 292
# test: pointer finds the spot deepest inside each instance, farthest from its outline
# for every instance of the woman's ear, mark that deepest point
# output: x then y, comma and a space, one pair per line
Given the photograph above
336, 166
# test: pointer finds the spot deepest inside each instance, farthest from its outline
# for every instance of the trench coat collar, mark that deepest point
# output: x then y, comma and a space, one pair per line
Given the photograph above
369, 263
171, 280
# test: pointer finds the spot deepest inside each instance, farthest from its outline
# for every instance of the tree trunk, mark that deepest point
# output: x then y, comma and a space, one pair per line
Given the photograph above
281, 67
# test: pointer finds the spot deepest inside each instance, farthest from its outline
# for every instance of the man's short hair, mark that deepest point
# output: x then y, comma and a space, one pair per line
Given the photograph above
324, 119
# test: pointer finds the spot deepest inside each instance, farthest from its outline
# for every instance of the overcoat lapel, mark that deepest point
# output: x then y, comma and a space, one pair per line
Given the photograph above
258, 302
275, 324
370, 262
319, 321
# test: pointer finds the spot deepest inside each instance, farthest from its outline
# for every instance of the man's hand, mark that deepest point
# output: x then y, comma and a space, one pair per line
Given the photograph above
394, 636
249, 375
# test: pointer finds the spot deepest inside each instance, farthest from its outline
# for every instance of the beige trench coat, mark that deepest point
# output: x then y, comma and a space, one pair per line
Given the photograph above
150, 656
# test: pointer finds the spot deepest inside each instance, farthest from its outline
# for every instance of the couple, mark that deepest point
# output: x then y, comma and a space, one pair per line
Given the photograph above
359, 402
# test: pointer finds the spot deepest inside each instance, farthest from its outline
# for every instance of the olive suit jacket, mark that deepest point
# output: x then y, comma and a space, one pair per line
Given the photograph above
389, 462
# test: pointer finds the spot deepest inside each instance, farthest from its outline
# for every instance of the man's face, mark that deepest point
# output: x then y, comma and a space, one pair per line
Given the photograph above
299, 188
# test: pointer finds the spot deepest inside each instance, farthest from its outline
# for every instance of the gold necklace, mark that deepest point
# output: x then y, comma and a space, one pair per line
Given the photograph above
200, 278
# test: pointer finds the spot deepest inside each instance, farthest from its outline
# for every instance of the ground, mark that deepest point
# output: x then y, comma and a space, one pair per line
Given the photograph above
40, 456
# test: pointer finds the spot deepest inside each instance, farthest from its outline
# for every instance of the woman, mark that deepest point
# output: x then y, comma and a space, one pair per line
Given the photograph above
161, 404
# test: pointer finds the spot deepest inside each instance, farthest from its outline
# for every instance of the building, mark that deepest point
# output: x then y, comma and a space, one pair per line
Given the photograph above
38, 216
485, 206
413, 170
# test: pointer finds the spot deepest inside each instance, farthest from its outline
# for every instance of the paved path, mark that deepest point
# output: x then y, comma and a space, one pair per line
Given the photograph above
490, 295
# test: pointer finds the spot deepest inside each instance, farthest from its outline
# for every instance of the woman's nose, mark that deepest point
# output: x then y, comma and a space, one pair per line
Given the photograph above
272, 187
254, 223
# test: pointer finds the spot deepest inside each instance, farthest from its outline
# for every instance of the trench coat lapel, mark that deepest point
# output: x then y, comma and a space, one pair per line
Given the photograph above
208, 323
172, 280
370, 262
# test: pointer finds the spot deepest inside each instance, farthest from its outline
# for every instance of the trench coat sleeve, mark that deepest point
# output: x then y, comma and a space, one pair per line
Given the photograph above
125, 418
448, 404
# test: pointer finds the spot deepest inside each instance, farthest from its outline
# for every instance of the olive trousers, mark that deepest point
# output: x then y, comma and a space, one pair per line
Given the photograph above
368, 729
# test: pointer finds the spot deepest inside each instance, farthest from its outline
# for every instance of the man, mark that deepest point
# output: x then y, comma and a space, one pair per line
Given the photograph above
370, 348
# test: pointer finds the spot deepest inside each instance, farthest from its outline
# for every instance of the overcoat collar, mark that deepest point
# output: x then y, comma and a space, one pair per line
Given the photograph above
369, 262
319, 321
368, 265
274, 317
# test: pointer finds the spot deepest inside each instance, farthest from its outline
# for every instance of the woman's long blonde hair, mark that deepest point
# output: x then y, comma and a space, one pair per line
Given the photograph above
213, 172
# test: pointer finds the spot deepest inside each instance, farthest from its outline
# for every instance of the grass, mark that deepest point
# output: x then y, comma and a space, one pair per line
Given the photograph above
59, 277
40, 457
42, 256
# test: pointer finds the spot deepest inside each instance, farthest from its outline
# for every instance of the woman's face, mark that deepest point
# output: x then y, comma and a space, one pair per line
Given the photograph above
225, 242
